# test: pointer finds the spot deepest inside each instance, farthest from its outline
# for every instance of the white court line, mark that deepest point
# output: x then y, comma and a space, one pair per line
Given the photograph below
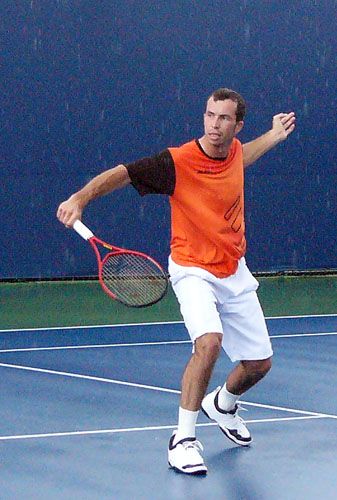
153, 388
137, 429
288, 335
97, 346
296, 316
87, 377
290, 410
86, 327
145, 344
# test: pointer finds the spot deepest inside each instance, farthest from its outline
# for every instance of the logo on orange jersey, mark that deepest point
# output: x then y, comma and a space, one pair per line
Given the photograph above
233, 214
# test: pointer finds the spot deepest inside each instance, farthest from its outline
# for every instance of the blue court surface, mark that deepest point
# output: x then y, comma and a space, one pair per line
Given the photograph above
86, 413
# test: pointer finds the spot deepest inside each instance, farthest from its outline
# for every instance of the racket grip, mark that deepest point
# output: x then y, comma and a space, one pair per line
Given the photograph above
82, 230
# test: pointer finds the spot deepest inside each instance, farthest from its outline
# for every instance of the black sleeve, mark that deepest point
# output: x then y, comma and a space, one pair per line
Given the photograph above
155, 175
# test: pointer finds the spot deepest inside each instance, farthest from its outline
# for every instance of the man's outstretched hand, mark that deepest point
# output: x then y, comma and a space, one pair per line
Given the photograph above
283, 125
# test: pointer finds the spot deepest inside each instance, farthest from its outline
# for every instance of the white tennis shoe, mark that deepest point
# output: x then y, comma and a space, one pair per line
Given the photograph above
185, 457
229, 422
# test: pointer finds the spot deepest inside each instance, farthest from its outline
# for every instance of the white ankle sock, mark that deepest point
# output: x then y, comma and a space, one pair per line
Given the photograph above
186, 424
226, 399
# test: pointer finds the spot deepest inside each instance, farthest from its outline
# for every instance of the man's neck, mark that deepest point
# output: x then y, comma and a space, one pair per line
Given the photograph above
220, 151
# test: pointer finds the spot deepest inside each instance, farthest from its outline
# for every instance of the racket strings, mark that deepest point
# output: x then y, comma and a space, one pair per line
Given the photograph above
134, 279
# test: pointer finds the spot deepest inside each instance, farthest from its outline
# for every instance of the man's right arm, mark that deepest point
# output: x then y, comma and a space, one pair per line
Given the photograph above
104, 183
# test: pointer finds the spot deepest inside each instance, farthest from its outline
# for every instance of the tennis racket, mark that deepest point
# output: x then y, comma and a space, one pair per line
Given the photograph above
133, 278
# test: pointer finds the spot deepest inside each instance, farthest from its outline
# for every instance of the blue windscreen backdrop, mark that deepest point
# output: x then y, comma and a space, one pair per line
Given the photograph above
88, 85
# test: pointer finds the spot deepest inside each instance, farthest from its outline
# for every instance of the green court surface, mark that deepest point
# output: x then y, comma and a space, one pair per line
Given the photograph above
68, 303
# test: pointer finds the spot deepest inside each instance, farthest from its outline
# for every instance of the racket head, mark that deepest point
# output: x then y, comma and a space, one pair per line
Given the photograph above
133, 278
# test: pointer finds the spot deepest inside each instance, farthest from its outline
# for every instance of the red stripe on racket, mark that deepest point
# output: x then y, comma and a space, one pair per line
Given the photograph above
133, 278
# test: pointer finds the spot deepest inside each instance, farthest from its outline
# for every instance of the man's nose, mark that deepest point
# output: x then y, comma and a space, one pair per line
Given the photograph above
216, 122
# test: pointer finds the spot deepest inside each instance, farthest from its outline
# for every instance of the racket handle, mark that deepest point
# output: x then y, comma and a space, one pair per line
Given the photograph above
82, 230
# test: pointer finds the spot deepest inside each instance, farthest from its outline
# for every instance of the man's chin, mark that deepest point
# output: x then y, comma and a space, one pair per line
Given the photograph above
215, 139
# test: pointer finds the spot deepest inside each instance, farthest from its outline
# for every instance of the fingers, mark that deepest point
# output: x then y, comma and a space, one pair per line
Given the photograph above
284, 124
285, 115
290, 129
288, 122
286, 119
289, 117
68, 213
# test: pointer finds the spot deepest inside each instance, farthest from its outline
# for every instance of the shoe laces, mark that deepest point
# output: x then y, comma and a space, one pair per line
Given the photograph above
193, 444
239, 407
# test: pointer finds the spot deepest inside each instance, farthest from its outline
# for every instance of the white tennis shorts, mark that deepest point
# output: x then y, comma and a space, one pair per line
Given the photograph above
223, 305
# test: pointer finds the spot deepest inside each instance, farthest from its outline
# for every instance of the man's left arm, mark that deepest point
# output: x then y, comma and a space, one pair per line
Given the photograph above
283, 125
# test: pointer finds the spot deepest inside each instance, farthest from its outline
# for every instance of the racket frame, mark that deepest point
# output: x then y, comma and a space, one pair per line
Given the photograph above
88, 235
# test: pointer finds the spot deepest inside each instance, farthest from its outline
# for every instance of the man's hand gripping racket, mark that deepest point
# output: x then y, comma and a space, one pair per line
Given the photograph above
133, 278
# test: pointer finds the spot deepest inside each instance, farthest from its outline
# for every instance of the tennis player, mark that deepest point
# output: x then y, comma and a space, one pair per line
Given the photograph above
204, 179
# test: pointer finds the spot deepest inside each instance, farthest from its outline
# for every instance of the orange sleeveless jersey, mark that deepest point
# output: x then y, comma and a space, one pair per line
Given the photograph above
207, 208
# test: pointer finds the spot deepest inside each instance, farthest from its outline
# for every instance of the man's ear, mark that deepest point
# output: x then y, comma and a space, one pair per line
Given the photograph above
238, 127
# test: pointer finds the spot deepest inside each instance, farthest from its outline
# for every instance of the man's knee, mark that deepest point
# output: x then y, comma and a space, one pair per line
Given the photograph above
208, 346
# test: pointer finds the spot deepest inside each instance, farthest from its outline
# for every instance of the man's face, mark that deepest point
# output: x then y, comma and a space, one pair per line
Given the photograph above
220, 122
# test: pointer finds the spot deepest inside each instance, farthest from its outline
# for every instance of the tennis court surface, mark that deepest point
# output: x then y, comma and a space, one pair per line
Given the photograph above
87, 413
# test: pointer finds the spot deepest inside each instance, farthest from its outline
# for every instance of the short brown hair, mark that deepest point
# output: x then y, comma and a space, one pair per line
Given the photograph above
223, 93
